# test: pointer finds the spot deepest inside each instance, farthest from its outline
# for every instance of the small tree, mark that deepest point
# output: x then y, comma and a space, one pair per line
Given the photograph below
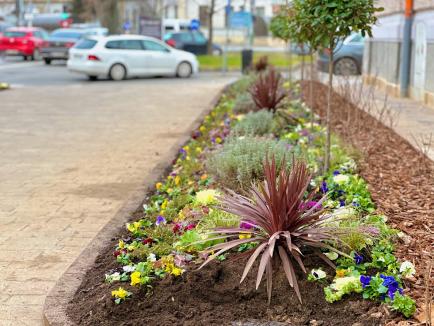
300, 27
332, 21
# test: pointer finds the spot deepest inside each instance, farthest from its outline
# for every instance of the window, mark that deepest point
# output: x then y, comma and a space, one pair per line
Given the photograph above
14, 34
153, 46
124, 45
186, 38
85, 44
200, 39
37, 34
357, 39
62, 34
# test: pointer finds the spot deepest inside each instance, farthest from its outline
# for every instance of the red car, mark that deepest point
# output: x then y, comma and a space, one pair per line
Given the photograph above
23, 41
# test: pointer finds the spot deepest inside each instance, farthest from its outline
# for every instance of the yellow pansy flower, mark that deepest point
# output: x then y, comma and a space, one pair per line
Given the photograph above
158, 185
245, 236
120, 293
218, 140
121, 244
177, 180
340, 272
135, 278
198, 150
176, 271
202, 129
164, 204
203, 177
169, 191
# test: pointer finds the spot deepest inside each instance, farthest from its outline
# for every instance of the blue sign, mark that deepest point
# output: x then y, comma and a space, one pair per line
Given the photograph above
126, 26
194, 24
240, 19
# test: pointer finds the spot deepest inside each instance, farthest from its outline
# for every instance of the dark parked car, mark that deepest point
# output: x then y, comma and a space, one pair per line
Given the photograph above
191, 41
348, 56
59, 42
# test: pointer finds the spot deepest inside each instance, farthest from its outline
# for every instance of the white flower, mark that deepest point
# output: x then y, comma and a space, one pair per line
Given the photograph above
113, 277
331, 255
129, 268
407, 269
318, 273
341, 179
152, 257
344, 212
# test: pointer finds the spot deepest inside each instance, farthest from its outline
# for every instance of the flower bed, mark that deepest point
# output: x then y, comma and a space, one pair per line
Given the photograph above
188, 220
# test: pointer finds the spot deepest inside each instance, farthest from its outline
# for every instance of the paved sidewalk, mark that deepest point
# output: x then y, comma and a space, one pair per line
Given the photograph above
411, 119
71, 155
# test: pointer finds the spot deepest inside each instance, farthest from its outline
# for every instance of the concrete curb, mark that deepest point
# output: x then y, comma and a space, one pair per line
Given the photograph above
57, 300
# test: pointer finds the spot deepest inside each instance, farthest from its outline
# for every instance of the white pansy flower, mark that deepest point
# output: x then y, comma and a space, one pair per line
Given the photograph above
341, 179
407, 269
129, 268
318, 273
152, 257
113, 277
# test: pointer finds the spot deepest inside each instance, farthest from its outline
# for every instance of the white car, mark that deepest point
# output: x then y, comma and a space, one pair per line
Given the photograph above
122, 56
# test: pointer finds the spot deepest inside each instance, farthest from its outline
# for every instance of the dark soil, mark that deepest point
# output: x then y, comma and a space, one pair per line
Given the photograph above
401, 182
400, 178
214, 296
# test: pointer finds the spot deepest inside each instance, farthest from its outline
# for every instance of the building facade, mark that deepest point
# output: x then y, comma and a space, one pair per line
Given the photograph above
383, 57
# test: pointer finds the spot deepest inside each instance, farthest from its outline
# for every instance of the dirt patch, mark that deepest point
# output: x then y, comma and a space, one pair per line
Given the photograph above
214, 296
400, 178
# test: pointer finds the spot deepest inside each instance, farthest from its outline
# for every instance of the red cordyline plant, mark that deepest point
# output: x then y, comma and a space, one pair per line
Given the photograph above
266, 91
279, 217
261, 64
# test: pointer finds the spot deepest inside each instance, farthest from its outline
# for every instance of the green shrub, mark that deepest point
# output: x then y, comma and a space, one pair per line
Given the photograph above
244, 104
242, 85
240, 161
217, 219
256, 124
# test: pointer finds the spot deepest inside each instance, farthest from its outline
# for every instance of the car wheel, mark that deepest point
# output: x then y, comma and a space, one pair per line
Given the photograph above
346, 67
217, 52
117, 72
47, 61
92, 78
184, 70
36, 55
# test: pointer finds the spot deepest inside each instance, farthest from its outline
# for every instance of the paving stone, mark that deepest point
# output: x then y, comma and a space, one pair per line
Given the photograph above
71, 156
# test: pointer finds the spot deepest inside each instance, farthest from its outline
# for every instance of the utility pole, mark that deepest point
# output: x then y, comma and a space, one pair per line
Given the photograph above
19, 8
252, 26
406, 48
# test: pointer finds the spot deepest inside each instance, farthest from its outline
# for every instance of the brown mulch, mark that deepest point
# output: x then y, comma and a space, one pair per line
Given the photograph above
400, 178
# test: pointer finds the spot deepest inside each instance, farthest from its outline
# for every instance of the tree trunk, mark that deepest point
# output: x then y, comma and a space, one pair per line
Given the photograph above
288, 44
311, 90
210, 27
328, 116
302, 62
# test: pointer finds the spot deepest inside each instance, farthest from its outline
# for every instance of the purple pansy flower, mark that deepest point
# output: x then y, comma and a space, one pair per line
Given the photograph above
358, 258
324, 188
365, 280
246, 225
341, 202
336, 172
160, 220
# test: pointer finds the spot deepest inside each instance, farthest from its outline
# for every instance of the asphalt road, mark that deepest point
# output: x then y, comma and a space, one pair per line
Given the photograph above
19, 73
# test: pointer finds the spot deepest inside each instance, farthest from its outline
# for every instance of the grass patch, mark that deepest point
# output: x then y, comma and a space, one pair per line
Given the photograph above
277, 59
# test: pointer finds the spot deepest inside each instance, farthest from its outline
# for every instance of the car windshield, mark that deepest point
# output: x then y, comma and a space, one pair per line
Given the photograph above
14, 34
66, 34
85, 44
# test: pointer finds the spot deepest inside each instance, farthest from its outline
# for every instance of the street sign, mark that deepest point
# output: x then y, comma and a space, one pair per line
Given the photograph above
240, 19
195, 24
126, 26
